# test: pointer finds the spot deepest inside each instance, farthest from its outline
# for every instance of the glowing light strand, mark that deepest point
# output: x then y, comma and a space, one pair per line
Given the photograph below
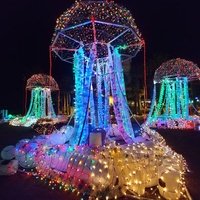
174, 105
121, 112
99, 94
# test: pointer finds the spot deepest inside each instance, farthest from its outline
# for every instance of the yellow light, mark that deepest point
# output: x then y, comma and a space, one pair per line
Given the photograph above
111, 100
92, 174
108, 176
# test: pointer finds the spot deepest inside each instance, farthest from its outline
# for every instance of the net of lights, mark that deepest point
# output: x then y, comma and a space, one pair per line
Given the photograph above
172, 108
41, 105
114, 25
110, 171
177, 68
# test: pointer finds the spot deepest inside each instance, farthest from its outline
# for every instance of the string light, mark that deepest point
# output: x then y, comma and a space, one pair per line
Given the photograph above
172, 108
41, 105
114, 25
144, 166
177, 68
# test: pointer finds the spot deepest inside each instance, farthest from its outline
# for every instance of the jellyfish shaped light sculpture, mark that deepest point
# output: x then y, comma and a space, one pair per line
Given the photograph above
41, 106
97, 36
170, 107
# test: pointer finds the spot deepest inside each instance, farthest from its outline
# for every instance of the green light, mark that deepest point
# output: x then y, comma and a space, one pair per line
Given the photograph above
123, 47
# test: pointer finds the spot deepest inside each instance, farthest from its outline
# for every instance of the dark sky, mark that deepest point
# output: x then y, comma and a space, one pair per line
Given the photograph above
169, 27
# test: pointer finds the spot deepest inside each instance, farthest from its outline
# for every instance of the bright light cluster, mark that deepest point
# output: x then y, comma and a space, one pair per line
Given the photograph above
41, 106
173, 101
113, 24
149, 170
42, 80
95, 81
177, 68
109, 11
170, 107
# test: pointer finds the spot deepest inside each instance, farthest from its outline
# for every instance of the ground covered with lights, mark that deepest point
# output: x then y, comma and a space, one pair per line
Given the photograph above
25, 186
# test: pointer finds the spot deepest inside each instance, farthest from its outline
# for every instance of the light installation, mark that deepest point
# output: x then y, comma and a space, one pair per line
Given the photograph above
170, 107
91, 35
95, 81
96, 36
41, 106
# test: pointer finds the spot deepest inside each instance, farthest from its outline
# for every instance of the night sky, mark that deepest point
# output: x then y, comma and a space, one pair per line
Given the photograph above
169, 28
